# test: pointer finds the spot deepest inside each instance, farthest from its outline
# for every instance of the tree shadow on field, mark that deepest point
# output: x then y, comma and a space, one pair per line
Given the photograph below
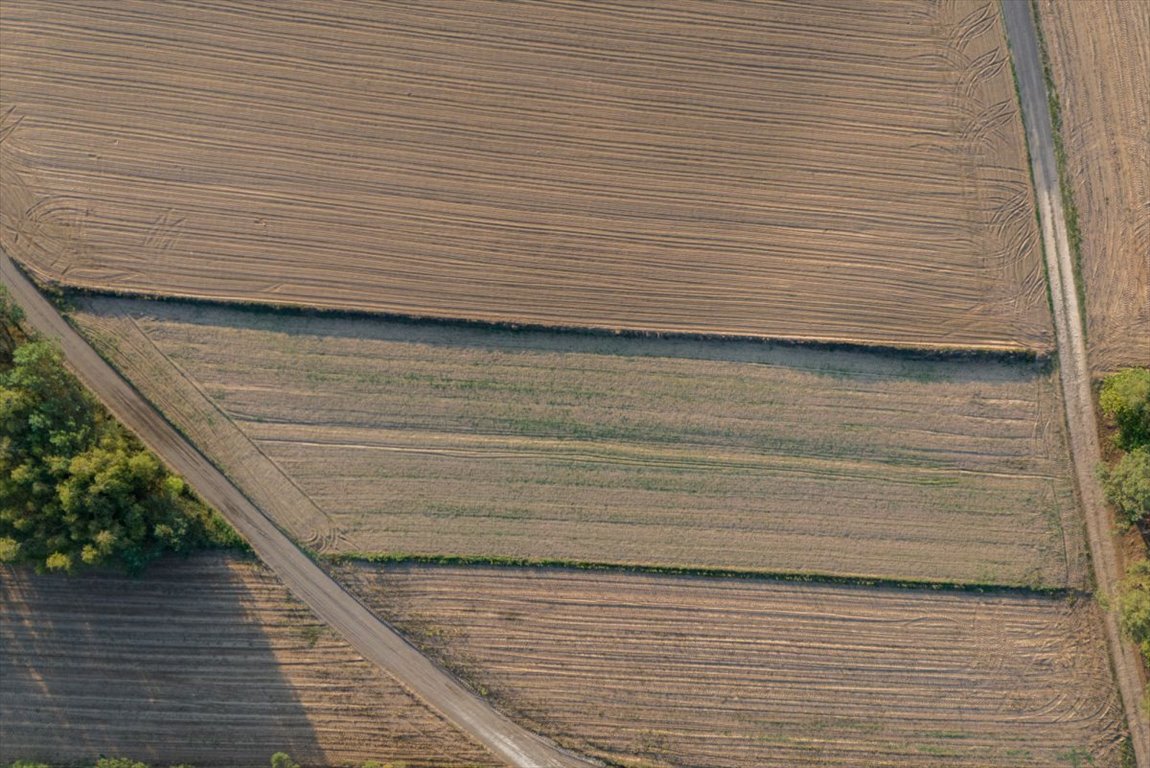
178, 665
845, 361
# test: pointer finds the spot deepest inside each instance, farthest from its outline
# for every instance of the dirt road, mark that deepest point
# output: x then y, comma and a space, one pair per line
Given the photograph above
372, 638
1072, 363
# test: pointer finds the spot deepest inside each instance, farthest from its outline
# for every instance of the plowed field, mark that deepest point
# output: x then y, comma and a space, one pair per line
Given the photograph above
728, 673
421, 439
786, 168
207, 661
1100, 55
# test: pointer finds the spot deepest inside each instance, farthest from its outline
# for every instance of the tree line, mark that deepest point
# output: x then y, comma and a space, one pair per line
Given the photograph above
77, 489
1125, 403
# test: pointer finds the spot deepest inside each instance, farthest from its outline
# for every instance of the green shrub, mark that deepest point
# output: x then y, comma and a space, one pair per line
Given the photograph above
282, 760
1134, 605
1127, 486
119, 762
10, 334
1125, 398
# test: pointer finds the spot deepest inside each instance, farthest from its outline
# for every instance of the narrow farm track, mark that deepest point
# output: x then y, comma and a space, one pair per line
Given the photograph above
1073, 366
185, 405
372, 638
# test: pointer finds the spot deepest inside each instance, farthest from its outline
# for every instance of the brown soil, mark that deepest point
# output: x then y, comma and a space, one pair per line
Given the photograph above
785, 168
207, 661
668, 671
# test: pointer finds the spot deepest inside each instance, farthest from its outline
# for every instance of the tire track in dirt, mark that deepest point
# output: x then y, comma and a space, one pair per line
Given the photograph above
122, 341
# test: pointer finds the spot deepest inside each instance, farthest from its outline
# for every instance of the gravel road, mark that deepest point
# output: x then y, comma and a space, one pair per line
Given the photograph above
371, 637
1072, 363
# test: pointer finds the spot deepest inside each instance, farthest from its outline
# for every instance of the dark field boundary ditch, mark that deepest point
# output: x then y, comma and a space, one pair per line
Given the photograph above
64, 296
920, 585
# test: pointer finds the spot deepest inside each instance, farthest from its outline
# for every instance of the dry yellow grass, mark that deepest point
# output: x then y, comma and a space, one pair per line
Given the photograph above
1100, 55
412, 438
664, 671
786, 168
206, 661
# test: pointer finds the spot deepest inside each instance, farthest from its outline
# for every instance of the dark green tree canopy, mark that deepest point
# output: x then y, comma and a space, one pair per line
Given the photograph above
1127, 486
75, 487
1134, 605
1125, 397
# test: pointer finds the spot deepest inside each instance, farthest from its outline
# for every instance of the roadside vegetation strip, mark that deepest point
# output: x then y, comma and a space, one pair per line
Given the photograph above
735, 672
663, 170
1098, 61
69, 297
426, 439
207, 660
1125, 403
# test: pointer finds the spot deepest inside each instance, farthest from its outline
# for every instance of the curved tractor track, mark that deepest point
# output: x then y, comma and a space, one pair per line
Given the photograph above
372, 638
1072, 363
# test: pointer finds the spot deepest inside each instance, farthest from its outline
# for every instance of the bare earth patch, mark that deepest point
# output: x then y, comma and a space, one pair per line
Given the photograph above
423, 439
1100, 55
668, 671
207, 661
785, 168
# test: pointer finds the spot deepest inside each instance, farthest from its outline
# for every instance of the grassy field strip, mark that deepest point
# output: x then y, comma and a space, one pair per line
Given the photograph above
207, 661
787, 168
434, 440
657, 670
122, 342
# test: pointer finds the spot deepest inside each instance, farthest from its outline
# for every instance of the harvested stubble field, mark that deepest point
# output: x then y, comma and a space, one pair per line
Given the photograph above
785, 168
656, 670
429, 439
206, 660
1100, 57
